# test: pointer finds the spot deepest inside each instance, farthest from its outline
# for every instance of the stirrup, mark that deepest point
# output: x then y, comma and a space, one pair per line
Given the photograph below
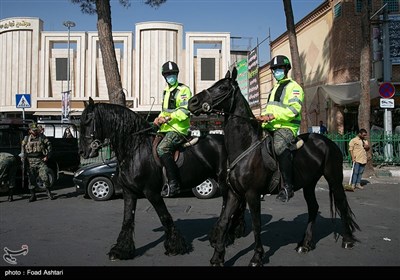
284, 195
167, 191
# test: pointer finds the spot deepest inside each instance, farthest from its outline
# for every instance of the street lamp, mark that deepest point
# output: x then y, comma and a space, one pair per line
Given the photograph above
68, 24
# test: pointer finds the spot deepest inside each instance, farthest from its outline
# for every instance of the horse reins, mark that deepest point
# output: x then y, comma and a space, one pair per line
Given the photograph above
95, 143
210, 108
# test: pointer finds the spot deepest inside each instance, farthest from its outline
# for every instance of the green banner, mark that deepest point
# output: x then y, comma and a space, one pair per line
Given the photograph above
242, 78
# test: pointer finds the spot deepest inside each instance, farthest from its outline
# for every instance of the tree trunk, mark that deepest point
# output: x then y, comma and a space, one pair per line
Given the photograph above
110, 65
296, 65
364, 109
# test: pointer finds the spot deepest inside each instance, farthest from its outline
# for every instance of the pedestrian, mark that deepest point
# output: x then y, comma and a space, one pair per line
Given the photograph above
174, 123
282, 117
8, 172
67, 133
322, 128
358, 147
36, 148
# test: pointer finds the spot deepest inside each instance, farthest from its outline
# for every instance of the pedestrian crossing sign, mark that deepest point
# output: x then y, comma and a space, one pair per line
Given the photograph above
23, 100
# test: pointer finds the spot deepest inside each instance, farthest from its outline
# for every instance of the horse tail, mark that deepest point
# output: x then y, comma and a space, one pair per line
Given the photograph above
343, 208
337, 196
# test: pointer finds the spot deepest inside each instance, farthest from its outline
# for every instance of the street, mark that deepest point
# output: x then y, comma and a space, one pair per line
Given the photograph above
74, 231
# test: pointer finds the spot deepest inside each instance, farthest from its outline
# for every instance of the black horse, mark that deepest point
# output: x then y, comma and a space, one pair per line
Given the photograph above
252, 168
131, 138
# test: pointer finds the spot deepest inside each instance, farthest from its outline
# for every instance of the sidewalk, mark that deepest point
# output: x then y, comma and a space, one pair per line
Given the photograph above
381, 172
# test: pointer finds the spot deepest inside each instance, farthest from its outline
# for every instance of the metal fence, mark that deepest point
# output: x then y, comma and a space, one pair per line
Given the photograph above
105, 153
385, 148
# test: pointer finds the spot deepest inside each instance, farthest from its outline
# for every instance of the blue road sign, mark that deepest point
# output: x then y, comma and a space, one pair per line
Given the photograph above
23, 100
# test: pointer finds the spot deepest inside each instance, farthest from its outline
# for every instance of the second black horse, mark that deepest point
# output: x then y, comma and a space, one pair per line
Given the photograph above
252, 169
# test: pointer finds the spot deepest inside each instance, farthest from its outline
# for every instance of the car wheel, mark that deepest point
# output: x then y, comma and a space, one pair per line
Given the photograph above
100, 189
52, 179
207, 189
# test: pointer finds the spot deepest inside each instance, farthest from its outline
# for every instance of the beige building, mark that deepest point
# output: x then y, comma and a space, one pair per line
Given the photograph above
33, 61
329, 42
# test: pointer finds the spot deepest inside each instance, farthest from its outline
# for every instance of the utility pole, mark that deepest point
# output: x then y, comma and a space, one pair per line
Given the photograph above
387, 76
68, 24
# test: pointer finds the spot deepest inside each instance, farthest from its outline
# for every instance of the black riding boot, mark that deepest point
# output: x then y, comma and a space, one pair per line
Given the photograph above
172, 174
10, 195
49, 194
33, 195
286, 168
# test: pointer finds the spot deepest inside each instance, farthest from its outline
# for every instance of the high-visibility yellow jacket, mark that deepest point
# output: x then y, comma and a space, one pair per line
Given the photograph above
285, 102
175, 106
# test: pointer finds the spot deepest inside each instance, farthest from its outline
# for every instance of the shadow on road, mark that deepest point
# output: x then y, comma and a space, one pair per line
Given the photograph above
274, 235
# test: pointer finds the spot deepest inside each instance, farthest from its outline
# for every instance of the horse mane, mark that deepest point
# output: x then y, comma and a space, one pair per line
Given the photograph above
247, 109
120, 125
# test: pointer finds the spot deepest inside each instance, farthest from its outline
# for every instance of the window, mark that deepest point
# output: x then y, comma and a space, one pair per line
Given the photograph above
393, 5
337, 10
208, 69
359, 6
61, 69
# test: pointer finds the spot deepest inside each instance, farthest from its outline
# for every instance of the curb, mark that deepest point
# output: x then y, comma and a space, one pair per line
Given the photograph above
379, 173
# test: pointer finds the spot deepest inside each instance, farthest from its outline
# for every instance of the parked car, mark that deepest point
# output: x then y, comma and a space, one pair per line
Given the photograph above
97, 181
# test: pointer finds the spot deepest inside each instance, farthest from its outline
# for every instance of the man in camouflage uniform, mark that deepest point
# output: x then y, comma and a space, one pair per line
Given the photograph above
37, 149
8, 172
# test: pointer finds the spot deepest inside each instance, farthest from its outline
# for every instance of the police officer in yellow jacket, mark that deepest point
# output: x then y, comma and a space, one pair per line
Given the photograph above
174, 123
282, 116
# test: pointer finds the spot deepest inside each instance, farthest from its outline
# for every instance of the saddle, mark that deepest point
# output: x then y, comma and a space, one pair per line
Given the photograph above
178, 156
269, 152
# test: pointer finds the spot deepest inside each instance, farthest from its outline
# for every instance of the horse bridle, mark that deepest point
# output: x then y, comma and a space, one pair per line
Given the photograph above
95, 143
206, 107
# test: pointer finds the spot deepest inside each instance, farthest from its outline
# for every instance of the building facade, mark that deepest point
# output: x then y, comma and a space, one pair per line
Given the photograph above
329, 43
33, 61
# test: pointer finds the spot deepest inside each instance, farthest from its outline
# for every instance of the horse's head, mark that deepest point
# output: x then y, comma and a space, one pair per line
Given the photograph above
212, 99
89, 142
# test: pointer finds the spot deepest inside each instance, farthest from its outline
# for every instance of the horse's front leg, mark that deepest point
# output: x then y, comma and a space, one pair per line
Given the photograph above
238, 224
307, 244
125, 247
253, 199
175, 243
222, 228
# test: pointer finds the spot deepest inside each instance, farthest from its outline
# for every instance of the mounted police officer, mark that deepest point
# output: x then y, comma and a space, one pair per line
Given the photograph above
8, 172
282, 116
36, 148
174, 123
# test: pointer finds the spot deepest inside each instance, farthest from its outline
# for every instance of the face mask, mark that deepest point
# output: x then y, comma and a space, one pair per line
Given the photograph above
279, 74
171, 79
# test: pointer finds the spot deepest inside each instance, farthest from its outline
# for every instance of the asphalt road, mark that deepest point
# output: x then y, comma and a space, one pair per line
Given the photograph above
74, 231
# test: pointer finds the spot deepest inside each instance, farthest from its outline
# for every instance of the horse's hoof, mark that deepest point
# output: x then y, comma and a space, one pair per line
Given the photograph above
303, 249
112, 257
348, 245
217, 264
255, 264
